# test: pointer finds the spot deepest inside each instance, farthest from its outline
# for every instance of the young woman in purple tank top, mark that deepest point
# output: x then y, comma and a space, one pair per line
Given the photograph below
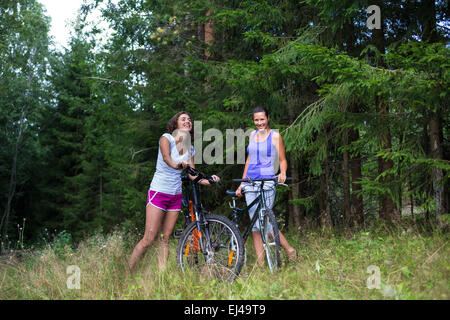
265, 153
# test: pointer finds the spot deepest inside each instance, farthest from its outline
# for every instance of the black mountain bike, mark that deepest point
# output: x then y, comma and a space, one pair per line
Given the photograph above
210, 244
265, 219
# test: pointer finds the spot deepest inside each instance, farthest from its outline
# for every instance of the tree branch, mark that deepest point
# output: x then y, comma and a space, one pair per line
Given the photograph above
114, 81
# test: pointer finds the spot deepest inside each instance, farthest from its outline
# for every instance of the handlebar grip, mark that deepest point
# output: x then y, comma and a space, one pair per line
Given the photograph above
211, 180
192, 171
230, 192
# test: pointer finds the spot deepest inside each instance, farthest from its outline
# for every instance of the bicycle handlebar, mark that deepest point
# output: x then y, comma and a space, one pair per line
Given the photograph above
200, 175
250, 180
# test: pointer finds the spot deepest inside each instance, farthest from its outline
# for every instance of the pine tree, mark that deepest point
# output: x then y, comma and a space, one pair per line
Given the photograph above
23, 95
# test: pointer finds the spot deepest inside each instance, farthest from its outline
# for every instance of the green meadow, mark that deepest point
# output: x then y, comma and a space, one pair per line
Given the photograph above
374, 264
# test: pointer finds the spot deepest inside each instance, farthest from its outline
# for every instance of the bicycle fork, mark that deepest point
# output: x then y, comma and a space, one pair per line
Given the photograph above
207, 245
266, 241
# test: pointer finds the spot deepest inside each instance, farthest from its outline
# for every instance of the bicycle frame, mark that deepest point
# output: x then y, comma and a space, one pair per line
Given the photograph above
238, 212
196, 212
193, 202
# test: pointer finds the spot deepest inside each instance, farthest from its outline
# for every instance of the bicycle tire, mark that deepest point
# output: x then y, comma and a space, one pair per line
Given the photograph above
271, 241
226, 241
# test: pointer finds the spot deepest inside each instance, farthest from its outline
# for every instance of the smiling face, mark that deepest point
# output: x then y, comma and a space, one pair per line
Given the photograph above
261, 121
184, 122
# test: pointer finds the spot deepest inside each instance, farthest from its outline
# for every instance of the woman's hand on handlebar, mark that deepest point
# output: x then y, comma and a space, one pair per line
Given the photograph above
239, 191
205, 179
215, 178
209, 180
182, 165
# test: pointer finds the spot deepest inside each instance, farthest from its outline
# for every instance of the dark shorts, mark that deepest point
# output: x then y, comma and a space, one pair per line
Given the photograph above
164, 201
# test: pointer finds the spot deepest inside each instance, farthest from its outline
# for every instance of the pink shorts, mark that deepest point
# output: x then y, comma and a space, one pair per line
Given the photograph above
164, 201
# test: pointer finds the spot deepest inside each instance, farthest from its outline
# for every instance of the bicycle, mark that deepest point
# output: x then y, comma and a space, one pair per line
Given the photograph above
268, 226
210, 243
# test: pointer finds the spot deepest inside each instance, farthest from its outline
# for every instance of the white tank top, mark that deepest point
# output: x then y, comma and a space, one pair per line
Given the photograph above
167, 179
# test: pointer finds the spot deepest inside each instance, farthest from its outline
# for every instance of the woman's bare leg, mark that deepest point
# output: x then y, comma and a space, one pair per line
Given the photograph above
259, 248
291, 252
153, 219
166, 231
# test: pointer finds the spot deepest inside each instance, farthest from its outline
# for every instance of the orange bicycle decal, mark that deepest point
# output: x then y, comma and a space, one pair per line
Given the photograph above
230, 258
186, 252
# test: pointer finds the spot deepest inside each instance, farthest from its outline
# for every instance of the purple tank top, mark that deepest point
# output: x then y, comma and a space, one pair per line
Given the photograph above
262, 157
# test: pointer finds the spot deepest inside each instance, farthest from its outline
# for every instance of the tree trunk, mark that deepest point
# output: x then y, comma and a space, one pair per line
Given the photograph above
294, 193
353, 204
428, 21
295, 211
101, 191
357, 205
209, 35
12, 183
209, 39
325, 205
348, 218
438, 174
201, 32
431, 35
387, 209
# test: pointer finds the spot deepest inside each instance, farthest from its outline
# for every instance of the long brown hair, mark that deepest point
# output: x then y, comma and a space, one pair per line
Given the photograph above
172, 125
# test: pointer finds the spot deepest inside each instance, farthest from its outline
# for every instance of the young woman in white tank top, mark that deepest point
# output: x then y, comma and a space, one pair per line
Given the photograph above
164, 196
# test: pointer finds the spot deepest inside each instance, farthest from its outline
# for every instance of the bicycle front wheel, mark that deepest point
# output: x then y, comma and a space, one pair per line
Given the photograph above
271, 240
221, 257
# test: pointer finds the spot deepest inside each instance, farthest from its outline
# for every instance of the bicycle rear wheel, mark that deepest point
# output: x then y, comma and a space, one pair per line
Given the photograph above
222, 258
271, 240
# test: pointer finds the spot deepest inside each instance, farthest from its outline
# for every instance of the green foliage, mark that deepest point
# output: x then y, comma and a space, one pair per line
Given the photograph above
61, 243
94, 118
305, 202
24, 94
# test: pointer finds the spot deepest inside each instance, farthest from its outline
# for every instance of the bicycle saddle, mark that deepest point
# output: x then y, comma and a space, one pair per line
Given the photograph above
231, 192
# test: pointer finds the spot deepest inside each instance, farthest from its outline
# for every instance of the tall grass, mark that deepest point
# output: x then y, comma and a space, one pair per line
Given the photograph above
412, 265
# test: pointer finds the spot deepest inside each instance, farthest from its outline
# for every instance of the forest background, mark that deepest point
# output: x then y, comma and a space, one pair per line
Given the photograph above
363, 112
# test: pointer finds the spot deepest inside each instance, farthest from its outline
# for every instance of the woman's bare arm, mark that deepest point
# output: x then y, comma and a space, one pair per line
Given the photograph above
281, 151
164, 145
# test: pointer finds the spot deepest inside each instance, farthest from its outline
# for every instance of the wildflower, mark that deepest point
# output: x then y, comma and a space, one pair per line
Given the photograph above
317, 266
